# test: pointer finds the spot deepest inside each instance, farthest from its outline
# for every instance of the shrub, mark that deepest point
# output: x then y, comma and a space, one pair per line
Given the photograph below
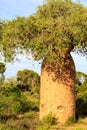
16, 107
12, 102
12, 91
50, 119
34, 105
25, 105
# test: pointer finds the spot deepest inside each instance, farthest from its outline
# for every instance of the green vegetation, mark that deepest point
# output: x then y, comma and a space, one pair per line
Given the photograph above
19, 109
28, 80
55, 29
81, 91
18, 105
50, 119
2, 70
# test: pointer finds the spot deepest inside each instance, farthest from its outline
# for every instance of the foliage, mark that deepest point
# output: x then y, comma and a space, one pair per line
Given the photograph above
19, 109
2, 70
50, 119
13, 102
80, 78
12, 80
57, 27
28, 80
2, 78
81, 95
8, 98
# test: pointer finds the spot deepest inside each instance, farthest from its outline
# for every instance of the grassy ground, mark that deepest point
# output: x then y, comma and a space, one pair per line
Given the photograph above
30, 121
81, 124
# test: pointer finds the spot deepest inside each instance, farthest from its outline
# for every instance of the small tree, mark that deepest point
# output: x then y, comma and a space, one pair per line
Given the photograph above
28, 79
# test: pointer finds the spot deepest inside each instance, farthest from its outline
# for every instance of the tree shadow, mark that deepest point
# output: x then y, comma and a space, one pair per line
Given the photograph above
61, 71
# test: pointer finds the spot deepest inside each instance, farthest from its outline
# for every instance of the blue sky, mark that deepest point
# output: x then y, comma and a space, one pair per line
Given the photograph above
10, 9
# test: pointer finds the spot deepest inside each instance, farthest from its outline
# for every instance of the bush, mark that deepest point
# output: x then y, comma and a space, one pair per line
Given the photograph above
12, 91
25, 105
50, 119
34, 105
12, 102
16, 107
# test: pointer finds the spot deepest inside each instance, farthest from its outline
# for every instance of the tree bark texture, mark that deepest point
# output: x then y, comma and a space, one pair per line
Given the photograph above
57, 92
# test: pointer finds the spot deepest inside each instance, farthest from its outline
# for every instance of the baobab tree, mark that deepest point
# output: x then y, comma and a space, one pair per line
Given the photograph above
57, 28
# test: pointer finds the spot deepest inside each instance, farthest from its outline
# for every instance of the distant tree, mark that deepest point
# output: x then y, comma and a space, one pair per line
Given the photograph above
81, 94
12, 81
27, 79
2, 70
80, 78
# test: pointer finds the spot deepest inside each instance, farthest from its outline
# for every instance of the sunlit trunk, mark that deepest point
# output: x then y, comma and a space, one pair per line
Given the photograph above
57, 92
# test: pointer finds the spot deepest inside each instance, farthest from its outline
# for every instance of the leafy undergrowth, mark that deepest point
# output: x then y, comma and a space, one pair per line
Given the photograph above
19, 109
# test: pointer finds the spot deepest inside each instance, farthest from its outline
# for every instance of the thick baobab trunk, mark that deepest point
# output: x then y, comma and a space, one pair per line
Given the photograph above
57, 93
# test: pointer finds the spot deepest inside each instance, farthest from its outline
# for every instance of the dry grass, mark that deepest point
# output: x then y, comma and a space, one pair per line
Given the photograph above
30, 121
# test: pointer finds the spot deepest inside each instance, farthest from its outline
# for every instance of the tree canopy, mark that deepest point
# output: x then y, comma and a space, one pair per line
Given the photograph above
57, 28
27, 79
